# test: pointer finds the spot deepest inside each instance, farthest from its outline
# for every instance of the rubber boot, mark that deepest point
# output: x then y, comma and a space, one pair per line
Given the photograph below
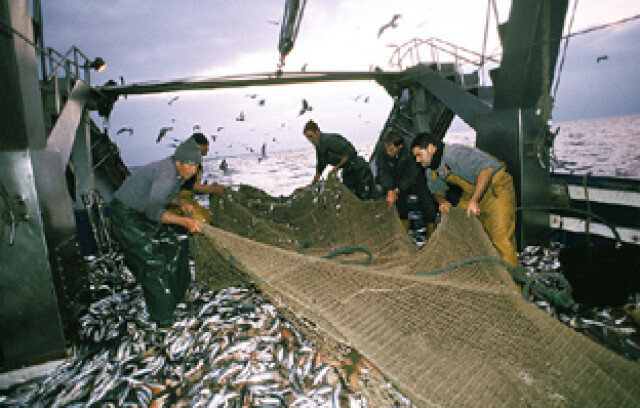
405, 224
431, 226
633, 311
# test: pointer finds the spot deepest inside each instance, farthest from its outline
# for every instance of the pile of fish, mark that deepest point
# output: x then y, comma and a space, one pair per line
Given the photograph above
229, 348
617, 328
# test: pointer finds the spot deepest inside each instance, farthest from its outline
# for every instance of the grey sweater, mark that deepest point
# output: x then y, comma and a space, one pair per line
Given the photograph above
150, 188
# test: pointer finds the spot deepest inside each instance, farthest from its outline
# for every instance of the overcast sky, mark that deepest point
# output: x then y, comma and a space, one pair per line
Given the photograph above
147, 40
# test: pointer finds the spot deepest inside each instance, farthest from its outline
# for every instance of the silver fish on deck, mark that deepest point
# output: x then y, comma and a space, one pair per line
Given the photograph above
228, 348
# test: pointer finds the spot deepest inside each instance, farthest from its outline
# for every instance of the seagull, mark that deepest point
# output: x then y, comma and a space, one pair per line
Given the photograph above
391, 24
273, 22
220, 128
356, 98
240, 117
366, 100
602, 57
304, 67
174, 145
163, 131
252, 96
173, 121
261, 102
213, 138
305, 107
125, 129
196, 127
172, 100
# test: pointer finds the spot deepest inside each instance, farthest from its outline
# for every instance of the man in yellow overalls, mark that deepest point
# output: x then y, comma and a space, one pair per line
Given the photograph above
487, 187
194, 186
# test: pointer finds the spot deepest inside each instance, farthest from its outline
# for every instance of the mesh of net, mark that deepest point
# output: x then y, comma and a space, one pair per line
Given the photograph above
464, 338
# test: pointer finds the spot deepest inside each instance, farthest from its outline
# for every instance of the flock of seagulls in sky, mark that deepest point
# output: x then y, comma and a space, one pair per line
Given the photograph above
261, 102
306, 107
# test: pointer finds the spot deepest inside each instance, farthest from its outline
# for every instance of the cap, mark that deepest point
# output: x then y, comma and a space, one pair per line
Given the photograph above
200, 138
188, 152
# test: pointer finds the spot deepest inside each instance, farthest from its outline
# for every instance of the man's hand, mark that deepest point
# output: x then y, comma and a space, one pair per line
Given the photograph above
444, 206
392, 197
193, 225
315, 179
473, 208
186, 208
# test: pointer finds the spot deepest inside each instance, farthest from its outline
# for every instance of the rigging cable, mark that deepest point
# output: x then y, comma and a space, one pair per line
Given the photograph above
484, 39
564, 52
582, 32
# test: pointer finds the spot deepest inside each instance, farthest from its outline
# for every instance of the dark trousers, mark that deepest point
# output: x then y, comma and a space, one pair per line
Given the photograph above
156, 256
426, 202
357, 176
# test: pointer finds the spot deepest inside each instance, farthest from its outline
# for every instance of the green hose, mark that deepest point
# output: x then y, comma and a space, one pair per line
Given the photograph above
346, 250
561, 297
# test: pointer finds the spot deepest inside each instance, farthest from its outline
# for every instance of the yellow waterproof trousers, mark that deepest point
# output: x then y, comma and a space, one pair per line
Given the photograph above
199, 212
497, 212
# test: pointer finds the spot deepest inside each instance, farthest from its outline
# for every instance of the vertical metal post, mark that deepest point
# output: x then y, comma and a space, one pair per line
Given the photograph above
522, 238
81, 159
30, 324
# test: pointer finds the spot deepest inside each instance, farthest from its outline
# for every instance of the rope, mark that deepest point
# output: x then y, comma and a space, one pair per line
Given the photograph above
564, 52
578, 212
233, 268
346, 250
560, 297
512, 269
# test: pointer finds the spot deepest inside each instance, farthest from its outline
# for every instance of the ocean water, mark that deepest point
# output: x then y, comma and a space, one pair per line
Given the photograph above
603, 147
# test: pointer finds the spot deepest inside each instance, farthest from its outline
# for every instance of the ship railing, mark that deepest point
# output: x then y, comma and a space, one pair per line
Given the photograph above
412, 53
74, 63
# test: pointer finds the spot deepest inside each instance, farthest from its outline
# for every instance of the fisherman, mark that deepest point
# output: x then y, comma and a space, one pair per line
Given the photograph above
398, 175
194, 186
334, 149
224, 166
153, 251
487, 188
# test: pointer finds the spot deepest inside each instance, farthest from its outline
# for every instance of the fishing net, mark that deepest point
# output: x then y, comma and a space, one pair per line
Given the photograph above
463, 338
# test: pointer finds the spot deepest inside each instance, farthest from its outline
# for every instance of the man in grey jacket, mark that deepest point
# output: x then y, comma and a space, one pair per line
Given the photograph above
153, 251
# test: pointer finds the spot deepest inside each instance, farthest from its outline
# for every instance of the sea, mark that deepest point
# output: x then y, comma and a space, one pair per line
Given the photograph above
600, 147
